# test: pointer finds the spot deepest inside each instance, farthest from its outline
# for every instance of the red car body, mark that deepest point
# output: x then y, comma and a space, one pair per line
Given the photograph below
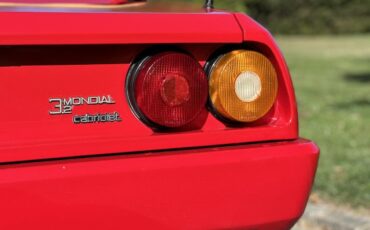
55, 174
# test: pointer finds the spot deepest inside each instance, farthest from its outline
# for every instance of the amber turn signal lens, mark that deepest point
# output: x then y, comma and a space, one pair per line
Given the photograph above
243, 86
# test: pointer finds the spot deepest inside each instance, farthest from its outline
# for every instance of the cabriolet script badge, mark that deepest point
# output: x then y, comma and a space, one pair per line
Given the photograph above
64, 106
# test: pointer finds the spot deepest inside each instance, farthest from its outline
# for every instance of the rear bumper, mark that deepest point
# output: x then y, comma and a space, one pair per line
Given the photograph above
261, 186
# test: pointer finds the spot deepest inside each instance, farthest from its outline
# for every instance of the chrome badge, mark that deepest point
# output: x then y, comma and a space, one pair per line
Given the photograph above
65, 106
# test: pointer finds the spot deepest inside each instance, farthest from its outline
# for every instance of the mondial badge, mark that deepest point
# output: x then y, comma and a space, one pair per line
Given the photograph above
65, 106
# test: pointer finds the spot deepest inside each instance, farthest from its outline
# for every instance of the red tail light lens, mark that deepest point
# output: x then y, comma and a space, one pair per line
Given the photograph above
169, 89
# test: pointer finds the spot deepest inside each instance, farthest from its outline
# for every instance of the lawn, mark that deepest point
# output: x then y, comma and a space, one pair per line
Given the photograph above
332, 81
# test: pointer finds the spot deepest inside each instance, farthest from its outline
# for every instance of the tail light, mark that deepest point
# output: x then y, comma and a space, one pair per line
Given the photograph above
168, 90
243, 86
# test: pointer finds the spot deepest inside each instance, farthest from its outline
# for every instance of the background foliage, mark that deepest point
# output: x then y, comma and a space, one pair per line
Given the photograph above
331, 75
312, 16
304, 16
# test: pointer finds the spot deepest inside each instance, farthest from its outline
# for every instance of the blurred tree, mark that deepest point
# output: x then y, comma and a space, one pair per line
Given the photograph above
312, 16
303, 16
234, 5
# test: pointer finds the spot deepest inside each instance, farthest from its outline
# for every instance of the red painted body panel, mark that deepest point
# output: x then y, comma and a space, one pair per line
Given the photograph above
261, 186
69, 1
31, 75
124, 175
30, 28
29, 78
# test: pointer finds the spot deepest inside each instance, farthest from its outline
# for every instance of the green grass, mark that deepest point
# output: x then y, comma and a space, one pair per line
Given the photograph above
332, 81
